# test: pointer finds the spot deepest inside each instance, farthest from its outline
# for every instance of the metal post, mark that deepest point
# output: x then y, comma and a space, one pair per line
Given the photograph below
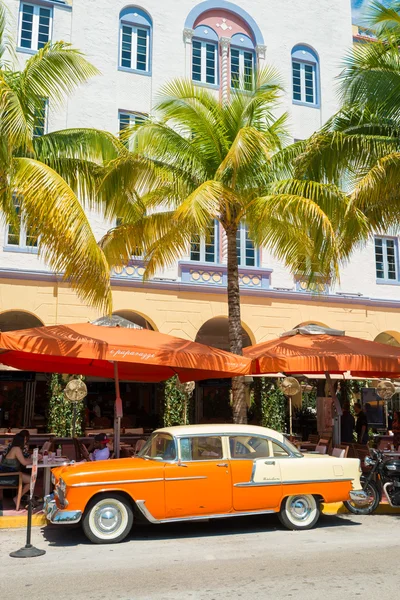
117, 413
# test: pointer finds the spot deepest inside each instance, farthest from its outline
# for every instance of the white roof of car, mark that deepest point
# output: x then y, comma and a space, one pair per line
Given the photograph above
222, 429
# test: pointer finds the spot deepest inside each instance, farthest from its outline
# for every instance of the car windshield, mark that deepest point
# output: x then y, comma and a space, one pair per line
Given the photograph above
292, 448
160, 446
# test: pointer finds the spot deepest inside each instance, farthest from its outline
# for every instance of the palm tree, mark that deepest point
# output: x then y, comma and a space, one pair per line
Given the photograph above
359, 148
198, 161
43, 175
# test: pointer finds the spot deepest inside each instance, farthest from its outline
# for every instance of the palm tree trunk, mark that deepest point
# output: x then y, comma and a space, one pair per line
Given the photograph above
239, 407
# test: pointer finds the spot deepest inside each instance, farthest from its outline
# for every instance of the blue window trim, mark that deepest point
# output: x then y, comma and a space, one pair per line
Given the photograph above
26, 50
312, 58
47, 4
212, 86
230, 7
253, 52
216, 248
148, 25
257, 255
21, 249
396, 243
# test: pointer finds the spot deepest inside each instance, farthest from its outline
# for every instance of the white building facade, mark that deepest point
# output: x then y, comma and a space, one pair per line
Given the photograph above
218, 44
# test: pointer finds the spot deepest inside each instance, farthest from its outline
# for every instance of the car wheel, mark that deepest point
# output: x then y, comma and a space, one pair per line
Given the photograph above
299, 512
108, 519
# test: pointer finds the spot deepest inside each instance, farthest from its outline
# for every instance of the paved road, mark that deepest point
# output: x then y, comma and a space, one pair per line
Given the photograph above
344, 558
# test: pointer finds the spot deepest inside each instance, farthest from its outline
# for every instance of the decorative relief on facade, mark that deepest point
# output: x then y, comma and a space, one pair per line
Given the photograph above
209, 277
133, 270
224, 26
313, 287
216, 275
188, 35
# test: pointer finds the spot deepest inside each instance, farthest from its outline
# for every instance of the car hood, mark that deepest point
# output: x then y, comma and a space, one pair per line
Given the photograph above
109, 470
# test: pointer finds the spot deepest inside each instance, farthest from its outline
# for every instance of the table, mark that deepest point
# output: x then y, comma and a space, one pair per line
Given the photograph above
47, 472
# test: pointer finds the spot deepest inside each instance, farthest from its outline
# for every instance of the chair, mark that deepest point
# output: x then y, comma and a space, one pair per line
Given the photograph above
321, 449
343, 450
10, 481
338, 452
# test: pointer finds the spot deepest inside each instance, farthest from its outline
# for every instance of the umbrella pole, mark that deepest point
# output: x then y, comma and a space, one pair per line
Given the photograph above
117, 413
336, 437
290, 418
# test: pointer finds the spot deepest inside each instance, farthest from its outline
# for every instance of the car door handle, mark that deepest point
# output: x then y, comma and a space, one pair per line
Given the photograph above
222, 465
269, 462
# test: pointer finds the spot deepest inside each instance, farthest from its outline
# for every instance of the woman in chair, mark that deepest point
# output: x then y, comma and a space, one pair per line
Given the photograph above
15, 461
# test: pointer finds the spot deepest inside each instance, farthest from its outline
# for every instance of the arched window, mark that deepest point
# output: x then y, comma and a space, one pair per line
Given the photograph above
305, 75
205, 55
242, 62
135, 40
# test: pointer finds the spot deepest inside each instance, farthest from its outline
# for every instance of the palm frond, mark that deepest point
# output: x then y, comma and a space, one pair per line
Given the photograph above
67, 243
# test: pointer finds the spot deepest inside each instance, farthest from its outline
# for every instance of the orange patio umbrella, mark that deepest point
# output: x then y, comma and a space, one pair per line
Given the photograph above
141, 354
116, 353
316, 350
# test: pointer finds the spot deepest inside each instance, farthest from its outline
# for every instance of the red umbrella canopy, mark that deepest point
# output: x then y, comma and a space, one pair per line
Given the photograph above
142, 355
313, 350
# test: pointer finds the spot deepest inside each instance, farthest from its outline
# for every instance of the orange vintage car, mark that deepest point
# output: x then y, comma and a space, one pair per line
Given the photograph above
201, 472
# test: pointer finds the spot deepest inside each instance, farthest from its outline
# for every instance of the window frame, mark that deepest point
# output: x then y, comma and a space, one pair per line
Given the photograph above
34, 47
242, 52
134, 47
201, 435
305, 55
22, 237
203, 247
203, 62
385, 279
243, 233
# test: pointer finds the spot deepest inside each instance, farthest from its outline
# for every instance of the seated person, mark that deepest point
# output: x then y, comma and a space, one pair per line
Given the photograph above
15, 461
98, 450
25, 451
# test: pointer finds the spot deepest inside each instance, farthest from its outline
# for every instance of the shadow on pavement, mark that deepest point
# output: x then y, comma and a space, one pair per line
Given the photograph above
74, 536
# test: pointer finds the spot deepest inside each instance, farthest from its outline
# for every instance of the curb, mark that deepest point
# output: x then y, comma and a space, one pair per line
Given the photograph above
12, 522
338, 508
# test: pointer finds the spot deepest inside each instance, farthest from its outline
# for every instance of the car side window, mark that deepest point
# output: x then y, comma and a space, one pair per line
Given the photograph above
201, 448
279, 450
247, 446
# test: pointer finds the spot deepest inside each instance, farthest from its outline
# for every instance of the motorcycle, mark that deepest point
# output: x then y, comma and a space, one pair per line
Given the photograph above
383, 476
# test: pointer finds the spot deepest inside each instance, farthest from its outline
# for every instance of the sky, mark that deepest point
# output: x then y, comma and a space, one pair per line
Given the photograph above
359, 7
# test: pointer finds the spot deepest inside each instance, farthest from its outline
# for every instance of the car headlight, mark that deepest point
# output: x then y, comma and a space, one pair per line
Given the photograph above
62, 485
368, 461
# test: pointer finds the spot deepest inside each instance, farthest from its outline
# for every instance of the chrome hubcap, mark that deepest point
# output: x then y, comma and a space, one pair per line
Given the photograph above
300, 508
108, 518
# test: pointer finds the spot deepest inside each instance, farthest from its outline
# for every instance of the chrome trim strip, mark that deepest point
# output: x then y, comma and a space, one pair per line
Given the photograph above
145, 512
184, 478
298, 482
102, 483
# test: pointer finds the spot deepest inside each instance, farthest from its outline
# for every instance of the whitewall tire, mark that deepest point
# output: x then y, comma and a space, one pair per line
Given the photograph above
108, 519
299, 512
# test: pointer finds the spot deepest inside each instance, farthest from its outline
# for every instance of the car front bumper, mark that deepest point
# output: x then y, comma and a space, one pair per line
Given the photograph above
56, 515
359, 497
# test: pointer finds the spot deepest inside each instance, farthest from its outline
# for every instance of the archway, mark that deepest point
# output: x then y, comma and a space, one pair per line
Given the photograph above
12, 320
136, 318
215, 332
213, 396
391, 338
317, 323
